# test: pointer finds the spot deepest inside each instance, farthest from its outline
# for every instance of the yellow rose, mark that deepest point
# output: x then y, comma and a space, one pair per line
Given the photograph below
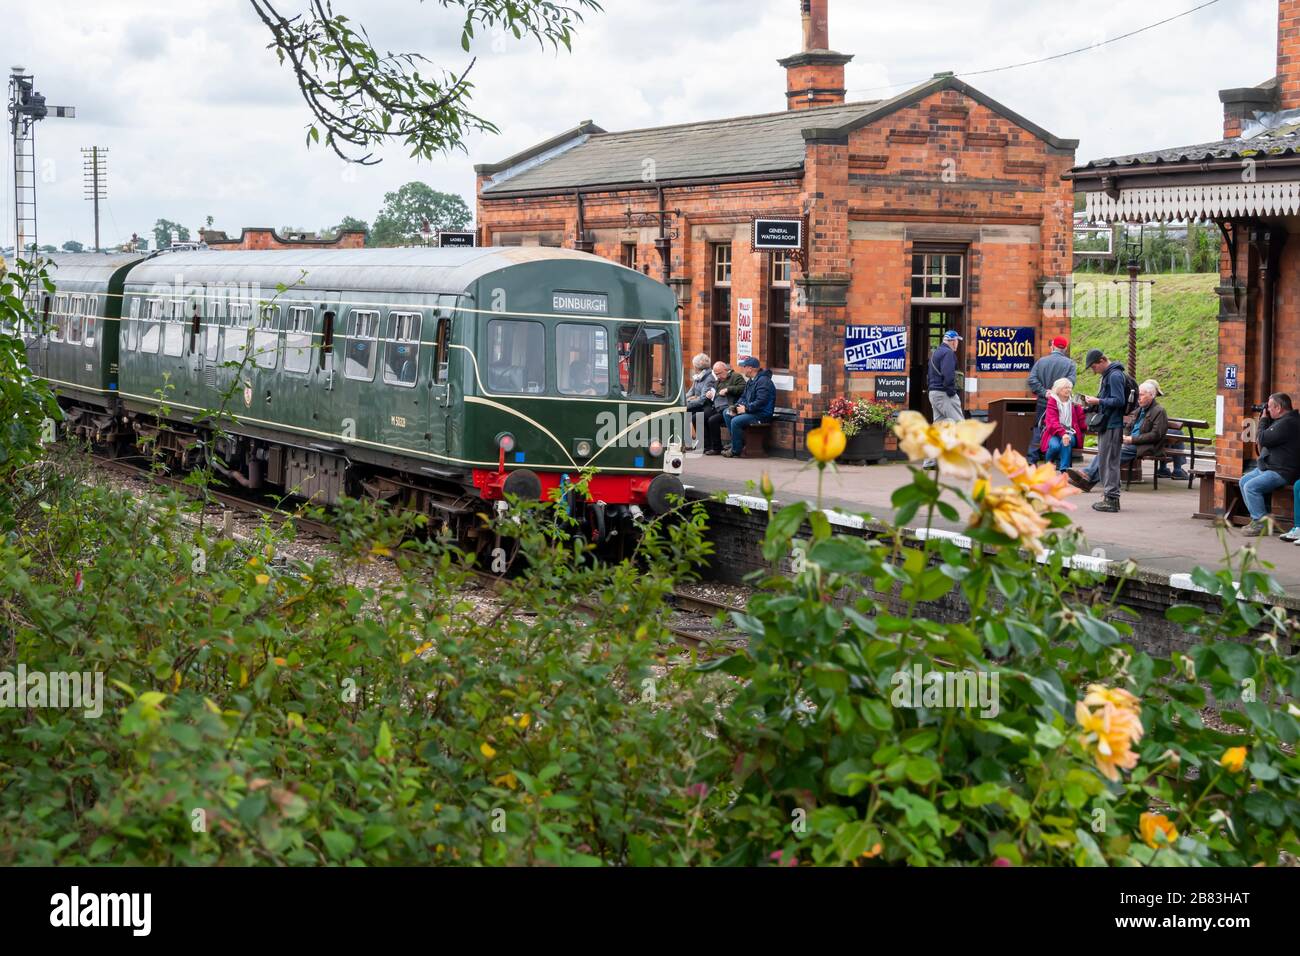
487, 750
1112, 724
1233, 759
1157, 830
1011, 514
827, 442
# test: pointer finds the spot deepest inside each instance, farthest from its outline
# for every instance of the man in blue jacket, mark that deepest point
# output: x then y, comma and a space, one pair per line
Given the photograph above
756, 404
1110, 437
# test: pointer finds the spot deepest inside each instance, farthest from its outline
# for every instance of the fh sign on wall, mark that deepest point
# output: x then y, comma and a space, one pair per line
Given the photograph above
1004, 348
875, 348
744, 327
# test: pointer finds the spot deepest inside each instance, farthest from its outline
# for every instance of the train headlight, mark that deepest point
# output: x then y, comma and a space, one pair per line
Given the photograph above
656, 448
582, 448
506, 442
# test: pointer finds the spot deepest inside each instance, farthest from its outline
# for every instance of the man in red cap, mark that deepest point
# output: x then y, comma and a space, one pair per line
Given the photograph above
1054, 365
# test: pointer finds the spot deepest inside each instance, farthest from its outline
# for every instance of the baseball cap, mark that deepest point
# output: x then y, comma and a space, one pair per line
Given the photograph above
1060, 342
749, 362
950, 335
1159, 391
1094, 356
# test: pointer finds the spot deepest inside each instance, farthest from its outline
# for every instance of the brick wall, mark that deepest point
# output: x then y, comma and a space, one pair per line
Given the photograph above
265, 238
1288, 54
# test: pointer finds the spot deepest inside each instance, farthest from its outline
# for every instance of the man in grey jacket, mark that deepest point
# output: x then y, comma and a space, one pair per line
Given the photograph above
1055, 365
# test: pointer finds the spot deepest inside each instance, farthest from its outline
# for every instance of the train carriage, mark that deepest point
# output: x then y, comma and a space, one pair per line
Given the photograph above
432, 378
72, 339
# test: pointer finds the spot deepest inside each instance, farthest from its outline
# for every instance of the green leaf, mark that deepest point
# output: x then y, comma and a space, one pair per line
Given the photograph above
923, 770
376, 834
876, 713
850, 777
338, 844
559, 802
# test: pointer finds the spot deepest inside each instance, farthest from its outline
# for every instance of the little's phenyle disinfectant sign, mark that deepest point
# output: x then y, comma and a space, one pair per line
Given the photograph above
875, 348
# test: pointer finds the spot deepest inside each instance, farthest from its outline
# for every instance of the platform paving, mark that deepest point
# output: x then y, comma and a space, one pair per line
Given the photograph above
1153, 528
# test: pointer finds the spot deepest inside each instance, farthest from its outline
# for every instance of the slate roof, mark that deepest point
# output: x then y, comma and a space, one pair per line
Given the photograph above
766, 143
1280, 141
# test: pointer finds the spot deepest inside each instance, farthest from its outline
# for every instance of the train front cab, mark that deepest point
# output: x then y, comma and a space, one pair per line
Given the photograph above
577, 369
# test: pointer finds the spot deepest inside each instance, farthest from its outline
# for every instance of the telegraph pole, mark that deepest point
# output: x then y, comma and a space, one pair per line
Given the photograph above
26, 108
94, 168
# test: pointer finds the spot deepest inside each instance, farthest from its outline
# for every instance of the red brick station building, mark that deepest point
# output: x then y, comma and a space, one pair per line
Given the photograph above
1248, 183
937, 209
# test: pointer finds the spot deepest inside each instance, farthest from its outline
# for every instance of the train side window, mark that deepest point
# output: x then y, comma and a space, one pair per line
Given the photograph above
60, 318
582, 359
266, 339
152, 335
442, 350
297, 338
131, 326
516, 356
241, 321
92, 320
174, 329
327, 337
76, 310
359, 359
643, 361
212, 331
402, 351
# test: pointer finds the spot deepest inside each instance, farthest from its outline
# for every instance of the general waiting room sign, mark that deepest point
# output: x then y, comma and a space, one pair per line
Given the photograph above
875, 348
1004, 348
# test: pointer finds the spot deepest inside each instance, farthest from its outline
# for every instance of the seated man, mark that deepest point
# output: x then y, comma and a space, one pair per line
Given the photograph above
1278, 464
728, 386
1145, 436
756, 405
1173, 448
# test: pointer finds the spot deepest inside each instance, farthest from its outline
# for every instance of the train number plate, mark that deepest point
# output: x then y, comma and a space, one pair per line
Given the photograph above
398, 421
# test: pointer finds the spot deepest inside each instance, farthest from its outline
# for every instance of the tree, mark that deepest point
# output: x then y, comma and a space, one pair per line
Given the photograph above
360, 100
72, 245
348, 224
162, 233
407, 210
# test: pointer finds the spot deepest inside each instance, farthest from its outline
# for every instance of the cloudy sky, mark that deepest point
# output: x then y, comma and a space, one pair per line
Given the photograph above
200, 119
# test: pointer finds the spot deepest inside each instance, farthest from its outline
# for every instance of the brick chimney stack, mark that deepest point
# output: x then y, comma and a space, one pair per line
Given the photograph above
815, 75
1288, 54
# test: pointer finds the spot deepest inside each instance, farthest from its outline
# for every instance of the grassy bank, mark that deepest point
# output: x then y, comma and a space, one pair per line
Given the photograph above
1178, 346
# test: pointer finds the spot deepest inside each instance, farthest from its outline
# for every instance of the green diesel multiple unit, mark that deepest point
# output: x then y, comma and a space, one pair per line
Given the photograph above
431, 378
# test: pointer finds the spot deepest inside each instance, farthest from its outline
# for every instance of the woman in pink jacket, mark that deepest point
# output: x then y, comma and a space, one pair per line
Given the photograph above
1064, 425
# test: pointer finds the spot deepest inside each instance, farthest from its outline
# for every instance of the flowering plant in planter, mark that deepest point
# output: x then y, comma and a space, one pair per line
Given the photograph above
856, 414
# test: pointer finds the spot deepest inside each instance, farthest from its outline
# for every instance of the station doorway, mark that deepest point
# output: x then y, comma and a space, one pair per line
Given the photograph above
929, 322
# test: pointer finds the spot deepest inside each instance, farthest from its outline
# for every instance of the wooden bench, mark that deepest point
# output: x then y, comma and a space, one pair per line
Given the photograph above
1182, 432
758, 435
1281, 503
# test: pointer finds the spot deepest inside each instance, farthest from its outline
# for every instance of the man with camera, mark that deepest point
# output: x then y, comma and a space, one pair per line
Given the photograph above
1278, 464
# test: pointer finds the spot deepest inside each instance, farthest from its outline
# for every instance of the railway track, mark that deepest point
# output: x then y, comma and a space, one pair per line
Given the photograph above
693, 626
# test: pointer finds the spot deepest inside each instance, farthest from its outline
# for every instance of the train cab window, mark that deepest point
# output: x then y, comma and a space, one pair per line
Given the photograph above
442, 350
359, 359
643, 361
266, 340
402, 352
76, 311
582, 359
152, 334
92, 320
174, 329
516, 356
60, 318
241, 323
297, 338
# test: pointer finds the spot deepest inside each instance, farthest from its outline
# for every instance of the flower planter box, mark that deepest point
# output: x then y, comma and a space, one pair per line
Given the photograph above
867, 446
